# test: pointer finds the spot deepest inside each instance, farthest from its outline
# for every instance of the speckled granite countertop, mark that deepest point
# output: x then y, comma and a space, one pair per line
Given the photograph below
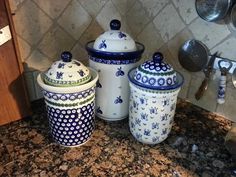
194, 148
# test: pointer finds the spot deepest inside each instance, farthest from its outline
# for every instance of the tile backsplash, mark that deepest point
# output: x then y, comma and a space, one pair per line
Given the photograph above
46, 28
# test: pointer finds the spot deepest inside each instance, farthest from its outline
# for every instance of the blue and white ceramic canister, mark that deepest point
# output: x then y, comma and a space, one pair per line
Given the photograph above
69, 93
113, 54
154, 89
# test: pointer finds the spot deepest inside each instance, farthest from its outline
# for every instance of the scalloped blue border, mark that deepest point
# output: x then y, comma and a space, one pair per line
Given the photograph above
180, 81
113, 62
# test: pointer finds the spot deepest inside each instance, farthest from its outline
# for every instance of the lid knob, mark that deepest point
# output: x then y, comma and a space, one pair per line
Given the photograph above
115, 24
66, 56
157, 57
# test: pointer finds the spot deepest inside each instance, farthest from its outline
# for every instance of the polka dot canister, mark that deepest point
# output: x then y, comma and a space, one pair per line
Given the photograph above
69, 93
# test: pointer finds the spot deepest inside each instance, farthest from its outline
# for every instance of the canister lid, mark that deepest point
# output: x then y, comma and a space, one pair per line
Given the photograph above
115, 40
67, 72
156, 74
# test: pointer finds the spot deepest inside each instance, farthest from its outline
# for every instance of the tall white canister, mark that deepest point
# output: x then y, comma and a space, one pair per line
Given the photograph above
113, 54
154, 89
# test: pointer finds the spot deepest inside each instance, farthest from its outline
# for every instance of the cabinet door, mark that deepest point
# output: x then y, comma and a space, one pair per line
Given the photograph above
14, 103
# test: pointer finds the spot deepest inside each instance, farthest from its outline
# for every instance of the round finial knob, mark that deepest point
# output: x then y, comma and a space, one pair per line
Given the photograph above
157, 57
66, 56
115, 24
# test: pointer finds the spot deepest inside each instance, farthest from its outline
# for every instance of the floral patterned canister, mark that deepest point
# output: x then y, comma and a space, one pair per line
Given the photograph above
154, 89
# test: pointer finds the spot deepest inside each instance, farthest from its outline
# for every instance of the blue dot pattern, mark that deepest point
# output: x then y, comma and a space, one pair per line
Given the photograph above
71, 127
156, 67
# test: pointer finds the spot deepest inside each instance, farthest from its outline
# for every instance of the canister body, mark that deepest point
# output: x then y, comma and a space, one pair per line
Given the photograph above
71, 111
71, 116
151, 113
112, 92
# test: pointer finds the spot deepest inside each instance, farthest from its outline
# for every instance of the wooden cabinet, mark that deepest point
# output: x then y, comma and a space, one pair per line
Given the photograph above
14, 103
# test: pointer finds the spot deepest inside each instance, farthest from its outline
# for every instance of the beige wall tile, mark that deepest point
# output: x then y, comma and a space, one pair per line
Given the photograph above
37, 61
52, 8
38, 90
108, 13
228, 108
186, 10
46, 28
137, 18
123, 5
168, 26
153, 7
151, 39
175, 43
209, 33
56, 41
80, 53
92, 32
92, 6
209, 99
24, 48
15, 4
187, 80
227, 48
30, 85
31, 22
75, 19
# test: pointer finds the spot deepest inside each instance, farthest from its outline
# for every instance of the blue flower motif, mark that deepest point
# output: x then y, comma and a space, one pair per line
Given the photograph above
144, 116
155, 139
118, 100
147, 132
221, 91
99, 111
81, 73
76, 63
155, 125
166, 102
137, 121
59, 75
121, 35
138, 135
164, 131
132, 124
164, 117
153, 110
98, 84
131, 108
102, 45
142, 100
135, 104
61, 65
120, 72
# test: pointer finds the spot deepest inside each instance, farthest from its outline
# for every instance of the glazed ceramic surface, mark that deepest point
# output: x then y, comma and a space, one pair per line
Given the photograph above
70, 110
154, 89
67, 72
115, 40
112, 98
